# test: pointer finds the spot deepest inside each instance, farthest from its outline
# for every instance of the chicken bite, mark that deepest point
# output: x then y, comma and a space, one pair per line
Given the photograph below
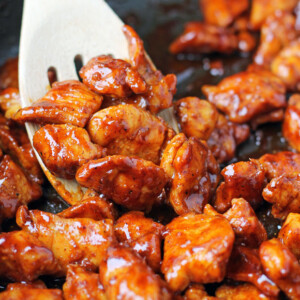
241, 180
79, 241
10, 102
129, 181
82, 285
141, 234
9, 74
67, 102
197, 292
281, 266
64, 148
125, 275
193, 171
129, 130
196, 249
247, 94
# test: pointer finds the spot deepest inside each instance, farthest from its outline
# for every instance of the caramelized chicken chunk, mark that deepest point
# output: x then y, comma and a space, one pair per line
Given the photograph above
289, 234
222, 12
197, 248
194, 173
23, 257
241, 292
246, 41
271, 117
69, 102
277, 31
199, 37
125, 275
80, 241
15, 188
245, 265
82, 285
141, 234
160, 88
291, 124
64, 148
9, 74
10, 102
129, 130
129, 181
281, 163
286, 66
241, 180
284, 193
197, 292
281, 266
262, 9
247, 94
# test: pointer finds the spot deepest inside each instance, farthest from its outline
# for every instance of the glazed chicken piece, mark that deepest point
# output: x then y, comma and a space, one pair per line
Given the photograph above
10, 102
245, 265
248, 230
196, 249
79, 241
281, 163
274, 116
261, 9
15, 188
291, 123
82, 285
286, 66
193, 171
244, 179
197, 292
246, 95
24, 258
241, 292
222, 12
281, 266
161, 88
114, 77
9, 74
129, 130
141, 234
129, 181
125, 276
64, 148
284, 193
69, 102
199, 37
289, 234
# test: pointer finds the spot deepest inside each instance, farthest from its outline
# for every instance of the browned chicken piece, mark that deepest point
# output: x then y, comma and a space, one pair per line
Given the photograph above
291, 123
193, 171
132, 182
281, 266
241, 23
24, 258
261, 9
241, 292
286, 66
244, 179
246, 95
37, 284
129, 130
196, 249
197, 292
277, 31
245, 265
79, 241
9, 74
281, 163
82, 285
222, 12
271, 117
246, 41
248, 230
126, 276
284, 193
141, 234
64, 148
289, 234
69, 102
15, 188
10, 102
160, 88
199, 37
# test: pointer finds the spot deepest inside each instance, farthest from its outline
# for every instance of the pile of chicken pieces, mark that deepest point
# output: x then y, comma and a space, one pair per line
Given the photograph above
104, 132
